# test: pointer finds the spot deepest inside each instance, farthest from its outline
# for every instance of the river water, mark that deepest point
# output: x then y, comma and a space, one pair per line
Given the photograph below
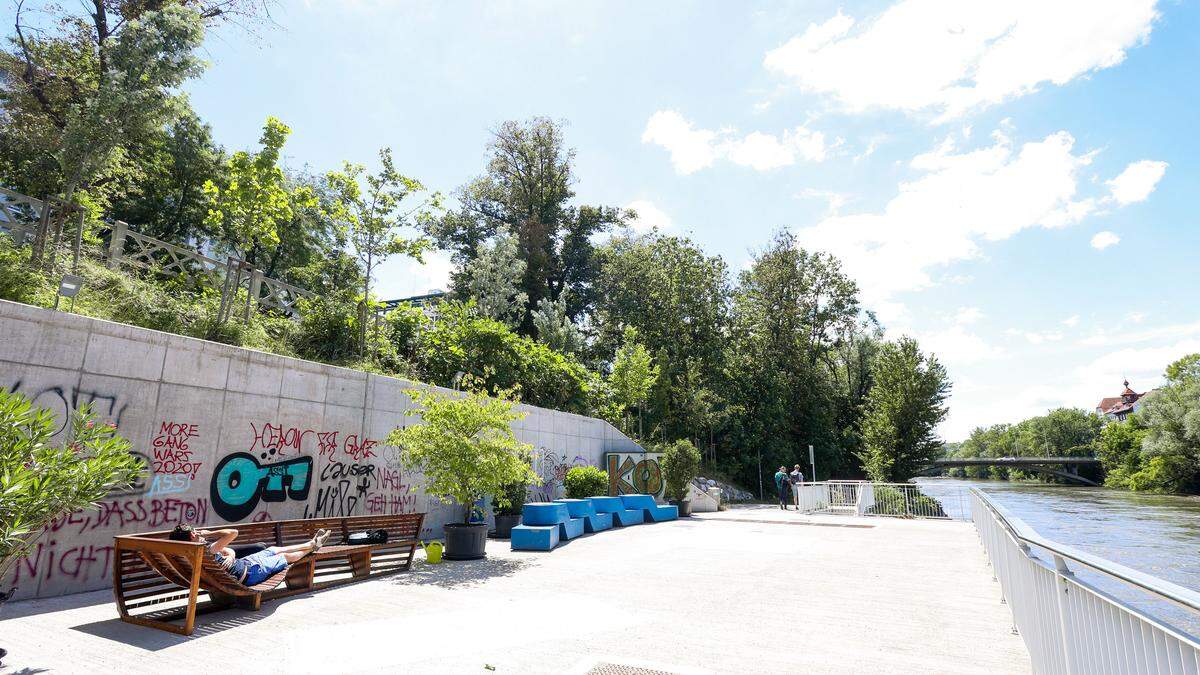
1156, 534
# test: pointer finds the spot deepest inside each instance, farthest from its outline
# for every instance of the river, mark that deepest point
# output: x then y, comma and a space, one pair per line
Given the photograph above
1156, 534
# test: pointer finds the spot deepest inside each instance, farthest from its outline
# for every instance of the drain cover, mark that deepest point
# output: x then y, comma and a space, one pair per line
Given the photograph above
622, 669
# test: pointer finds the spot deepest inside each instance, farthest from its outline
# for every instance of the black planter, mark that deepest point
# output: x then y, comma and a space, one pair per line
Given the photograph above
504, 525
466, 542
685, 507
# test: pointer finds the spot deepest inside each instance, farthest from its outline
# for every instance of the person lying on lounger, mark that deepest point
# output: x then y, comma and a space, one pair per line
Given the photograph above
257, 567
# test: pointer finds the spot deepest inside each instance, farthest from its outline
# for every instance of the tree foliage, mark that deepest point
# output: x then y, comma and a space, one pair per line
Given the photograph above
40, 481
903, 409
465, 447
680, 465
582, 482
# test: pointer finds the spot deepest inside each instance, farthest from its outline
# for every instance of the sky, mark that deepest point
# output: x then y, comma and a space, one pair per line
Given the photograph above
1011, 183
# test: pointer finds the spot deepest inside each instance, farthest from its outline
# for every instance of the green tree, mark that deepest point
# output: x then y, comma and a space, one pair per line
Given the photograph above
492, 279
1184, 369
527, 189
631, 380
1120, 450
373, 216
254, 201
465, 448
1171, 447
680, 465
903, 411
555, 329
115, 86
40, 482
678, 300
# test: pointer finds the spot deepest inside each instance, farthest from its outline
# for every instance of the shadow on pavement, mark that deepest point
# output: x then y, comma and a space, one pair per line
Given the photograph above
153, 639
459, 573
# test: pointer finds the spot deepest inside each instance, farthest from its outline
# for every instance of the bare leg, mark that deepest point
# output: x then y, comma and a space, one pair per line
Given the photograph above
295, 548
293, 556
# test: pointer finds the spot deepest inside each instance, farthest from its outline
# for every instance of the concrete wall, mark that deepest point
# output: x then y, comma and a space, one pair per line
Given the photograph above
190, 407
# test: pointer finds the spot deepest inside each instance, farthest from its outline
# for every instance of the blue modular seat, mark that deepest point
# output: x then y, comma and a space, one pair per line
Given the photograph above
544, 513
607, 504
535, 537
586, 511
653, 512
572, 528
628, 517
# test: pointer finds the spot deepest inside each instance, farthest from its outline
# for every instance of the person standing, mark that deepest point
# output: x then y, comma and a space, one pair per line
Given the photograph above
781, 484
796, 477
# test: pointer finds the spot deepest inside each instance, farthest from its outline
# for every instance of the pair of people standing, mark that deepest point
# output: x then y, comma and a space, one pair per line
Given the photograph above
789, 482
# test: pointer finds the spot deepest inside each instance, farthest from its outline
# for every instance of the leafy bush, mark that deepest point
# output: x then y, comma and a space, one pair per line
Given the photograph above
582, 482
892, 502
514, 499
40, 482
680, 464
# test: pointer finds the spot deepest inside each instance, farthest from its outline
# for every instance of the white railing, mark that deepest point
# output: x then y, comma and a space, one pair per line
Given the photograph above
1069, 625
895, 500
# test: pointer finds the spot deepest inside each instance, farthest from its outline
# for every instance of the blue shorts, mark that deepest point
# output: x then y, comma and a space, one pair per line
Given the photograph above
258, 567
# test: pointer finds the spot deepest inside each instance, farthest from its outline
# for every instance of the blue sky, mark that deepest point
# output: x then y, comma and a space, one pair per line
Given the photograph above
1011, 183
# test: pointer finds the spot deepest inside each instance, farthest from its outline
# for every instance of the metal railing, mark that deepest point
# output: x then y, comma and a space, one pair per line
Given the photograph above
896, 500
1070, 625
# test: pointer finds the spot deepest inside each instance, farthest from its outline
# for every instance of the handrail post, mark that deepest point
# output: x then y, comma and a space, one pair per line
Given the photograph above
1061, 572
116, 244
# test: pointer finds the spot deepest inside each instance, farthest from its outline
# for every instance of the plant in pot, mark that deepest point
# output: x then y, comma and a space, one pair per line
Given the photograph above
508, 515
680, 465
40, 482
466, 450
582, 482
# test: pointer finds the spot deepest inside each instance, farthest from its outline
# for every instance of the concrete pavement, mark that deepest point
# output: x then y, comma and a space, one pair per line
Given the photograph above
750, 590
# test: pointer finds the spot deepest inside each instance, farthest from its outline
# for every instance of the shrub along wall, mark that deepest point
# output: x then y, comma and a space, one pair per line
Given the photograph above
233, 435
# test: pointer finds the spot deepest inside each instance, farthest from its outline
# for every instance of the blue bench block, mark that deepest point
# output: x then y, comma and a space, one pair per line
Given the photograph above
661, 514
571, 529
628, 517
607, 504
597, 522
534, 537
544, 513
578, 508
639, 501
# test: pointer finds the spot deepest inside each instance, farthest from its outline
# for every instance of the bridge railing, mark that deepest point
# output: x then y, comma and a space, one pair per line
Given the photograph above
1071, 626
897, 500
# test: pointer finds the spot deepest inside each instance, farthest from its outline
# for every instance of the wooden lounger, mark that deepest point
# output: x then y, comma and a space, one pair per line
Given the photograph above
150, 571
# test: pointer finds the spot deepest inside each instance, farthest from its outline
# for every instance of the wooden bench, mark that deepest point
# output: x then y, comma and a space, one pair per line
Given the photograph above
157, 581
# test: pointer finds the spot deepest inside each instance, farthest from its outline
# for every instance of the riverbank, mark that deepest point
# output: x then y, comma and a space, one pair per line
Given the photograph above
748, 590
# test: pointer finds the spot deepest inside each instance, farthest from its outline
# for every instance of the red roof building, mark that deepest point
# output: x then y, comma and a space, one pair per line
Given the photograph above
1119, 407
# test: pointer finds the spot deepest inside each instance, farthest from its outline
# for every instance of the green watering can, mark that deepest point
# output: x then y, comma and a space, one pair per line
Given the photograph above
433, 551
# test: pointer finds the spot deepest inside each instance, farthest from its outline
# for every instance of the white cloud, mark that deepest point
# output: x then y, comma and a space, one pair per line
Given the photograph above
957, 347
693, 148
402, 277
1158, 333
1103, 240
649, 216
1071, 321
954, 55
1035, 338
834, 200
968, 315
959, 200
1137, 181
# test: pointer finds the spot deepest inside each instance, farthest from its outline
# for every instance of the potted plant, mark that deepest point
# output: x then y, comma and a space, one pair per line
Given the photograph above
582, 482
680, 465
508, 515
466, 449
40, 482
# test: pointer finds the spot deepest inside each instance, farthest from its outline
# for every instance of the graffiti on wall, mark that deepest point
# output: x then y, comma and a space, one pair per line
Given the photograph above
553, 469
240, 482
63, 401
634, 473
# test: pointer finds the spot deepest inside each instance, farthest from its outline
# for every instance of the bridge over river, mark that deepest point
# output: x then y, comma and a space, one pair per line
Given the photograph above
1043, 465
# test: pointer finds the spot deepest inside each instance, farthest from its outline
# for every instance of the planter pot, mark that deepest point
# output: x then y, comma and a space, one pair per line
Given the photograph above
505, 524
685, 507
466, 542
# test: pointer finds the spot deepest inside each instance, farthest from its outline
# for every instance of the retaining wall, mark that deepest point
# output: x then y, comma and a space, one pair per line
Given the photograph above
191, 406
